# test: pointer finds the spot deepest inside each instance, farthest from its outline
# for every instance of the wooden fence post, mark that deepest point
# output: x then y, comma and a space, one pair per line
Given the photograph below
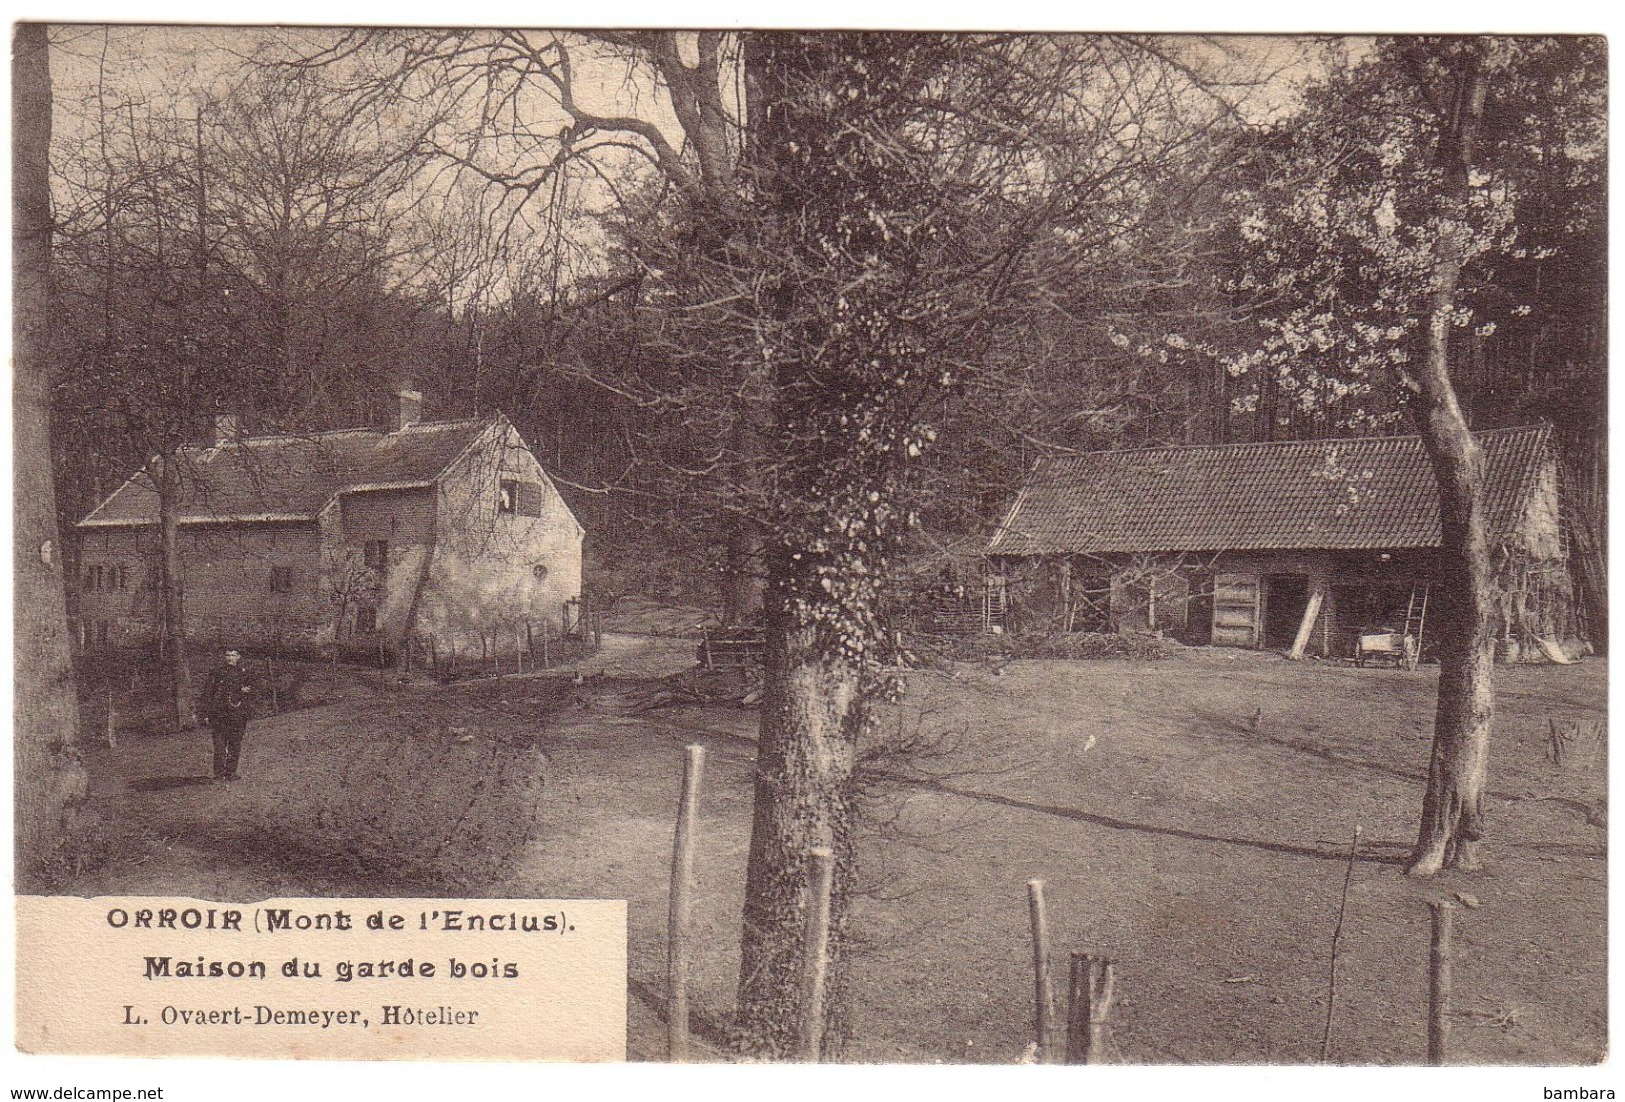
815, 951
677, 925
1089, 1001
1439, 983
547, 661
112, 719
1043, 990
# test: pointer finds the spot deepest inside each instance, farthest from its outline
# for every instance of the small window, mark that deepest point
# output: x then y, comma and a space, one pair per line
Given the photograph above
508, 498
281, 579
101, 633
540, 572
366, 620
530, 499
375, 553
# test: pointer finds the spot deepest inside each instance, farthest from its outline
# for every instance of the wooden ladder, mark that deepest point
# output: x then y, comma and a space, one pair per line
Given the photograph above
1416, 618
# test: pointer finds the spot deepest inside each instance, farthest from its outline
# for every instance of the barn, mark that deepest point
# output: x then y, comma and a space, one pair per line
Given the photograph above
1293, 545
443, 534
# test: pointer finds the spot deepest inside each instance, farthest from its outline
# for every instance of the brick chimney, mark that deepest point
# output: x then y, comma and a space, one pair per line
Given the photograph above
225, 429
411, 409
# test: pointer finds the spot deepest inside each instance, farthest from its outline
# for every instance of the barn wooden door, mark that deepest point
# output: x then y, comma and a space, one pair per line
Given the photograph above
1236, 610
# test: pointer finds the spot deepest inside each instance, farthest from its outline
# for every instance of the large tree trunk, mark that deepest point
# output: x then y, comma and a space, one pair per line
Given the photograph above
49, 780
812, 713
1453, 807
171, 588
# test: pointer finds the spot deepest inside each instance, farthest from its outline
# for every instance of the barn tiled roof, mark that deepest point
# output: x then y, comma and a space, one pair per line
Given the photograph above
1371, 493
292, 477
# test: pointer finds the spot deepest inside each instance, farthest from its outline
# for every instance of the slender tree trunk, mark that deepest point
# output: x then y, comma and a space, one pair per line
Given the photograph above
1453, 807
812, 712
171, 585
742, 583
49, 779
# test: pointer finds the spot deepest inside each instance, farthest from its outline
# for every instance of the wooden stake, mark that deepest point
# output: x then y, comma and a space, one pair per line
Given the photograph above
682, 881
815, 951
1089, 1002
1311, 610
1439, 983
112, 720
1043, 990
1337, 936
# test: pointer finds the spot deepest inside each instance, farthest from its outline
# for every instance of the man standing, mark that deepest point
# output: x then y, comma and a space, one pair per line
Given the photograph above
228, 705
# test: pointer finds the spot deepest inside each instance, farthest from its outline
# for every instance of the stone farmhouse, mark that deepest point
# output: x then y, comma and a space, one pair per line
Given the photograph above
446, 536
1292, 545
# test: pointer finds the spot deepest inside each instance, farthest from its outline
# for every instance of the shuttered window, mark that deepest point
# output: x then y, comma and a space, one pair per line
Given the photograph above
522, 499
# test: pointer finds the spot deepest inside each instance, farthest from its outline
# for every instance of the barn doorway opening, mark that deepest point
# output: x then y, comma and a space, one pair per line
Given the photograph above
1286, 596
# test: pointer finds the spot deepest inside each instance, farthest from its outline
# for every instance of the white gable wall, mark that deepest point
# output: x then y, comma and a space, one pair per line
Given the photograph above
483, 586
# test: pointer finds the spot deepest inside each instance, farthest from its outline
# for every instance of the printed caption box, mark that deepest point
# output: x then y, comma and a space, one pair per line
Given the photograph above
498, 979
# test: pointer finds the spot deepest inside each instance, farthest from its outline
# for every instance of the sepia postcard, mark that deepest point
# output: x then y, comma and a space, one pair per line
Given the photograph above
740, 547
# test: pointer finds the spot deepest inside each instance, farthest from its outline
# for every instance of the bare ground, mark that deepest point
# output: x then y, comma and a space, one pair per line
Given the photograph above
1203, 854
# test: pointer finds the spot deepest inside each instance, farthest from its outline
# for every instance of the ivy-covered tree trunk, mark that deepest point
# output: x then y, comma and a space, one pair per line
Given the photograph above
49, 779
812, 715
1453, 806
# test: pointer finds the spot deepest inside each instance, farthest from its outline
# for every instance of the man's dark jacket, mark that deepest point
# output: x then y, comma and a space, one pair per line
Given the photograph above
230, 697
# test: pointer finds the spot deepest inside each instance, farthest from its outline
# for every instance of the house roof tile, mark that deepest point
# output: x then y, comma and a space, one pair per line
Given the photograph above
271, 478
1370, 493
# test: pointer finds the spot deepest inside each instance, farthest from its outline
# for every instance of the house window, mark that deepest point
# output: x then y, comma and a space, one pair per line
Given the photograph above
375, 553
93, 634
540, 572
93, 578
366, 620
281, 579
522, 499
